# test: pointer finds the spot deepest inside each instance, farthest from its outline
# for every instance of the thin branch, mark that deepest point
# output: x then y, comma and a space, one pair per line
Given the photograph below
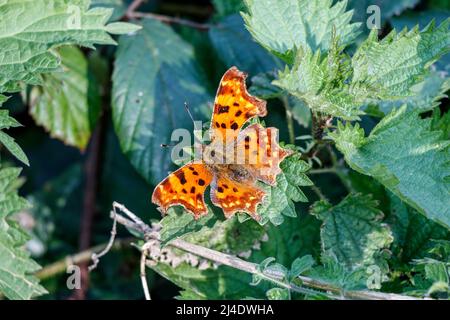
145, 248
144, 227
322, 171
275, 276
236, 263
133, 7
252, 268
319, 123
318, 192
169, 20
289, 119
199, 10
96, 256
131, 13
340, 167
92, 171
60, 266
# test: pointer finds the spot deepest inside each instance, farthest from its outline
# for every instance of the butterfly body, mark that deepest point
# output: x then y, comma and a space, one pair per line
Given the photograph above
233, 162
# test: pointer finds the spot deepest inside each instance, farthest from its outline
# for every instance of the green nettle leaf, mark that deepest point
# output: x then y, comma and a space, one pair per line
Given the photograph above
155, 74
31, 28
392, 66
16, 268
283, 26
300, 266
441, 122
413, 233
67, 105
177, 222
435, 269
263, 87
7, 122
335, 273
352, 231
277, 294
423, 18
320, 82
229, 236
280, 199
297, 237
268, 266
235, 46
405, 156
425, 96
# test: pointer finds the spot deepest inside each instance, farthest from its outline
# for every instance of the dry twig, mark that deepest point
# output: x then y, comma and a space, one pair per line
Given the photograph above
133, 14
133, 222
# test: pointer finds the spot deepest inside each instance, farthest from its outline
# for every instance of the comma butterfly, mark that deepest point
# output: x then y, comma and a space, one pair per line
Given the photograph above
234, 160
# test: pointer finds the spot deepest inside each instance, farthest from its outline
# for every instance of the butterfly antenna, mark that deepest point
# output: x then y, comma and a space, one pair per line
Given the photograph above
186, 106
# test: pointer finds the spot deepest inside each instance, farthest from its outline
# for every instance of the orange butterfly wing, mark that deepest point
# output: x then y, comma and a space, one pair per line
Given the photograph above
258, 150
233, 106
186, 187
233, 196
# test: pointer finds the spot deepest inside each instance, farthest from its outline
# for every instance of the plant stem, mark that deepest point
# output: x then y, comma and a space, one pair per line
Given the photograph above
339, 169
322, 170
92, 167
82, 257
133, 14
92, 175
133, 7
170, 20
200, 11
289, 119
143, 272
271, 275
318, 192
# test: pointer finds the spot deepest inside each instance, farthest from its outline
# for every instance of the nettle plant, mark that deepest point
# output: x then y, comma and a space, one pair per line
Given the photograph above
362, 206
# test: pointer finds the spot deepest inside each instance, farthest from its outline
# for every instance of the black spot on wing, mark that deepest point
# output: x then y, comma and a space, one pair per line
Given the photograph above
223, 109
180, 175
